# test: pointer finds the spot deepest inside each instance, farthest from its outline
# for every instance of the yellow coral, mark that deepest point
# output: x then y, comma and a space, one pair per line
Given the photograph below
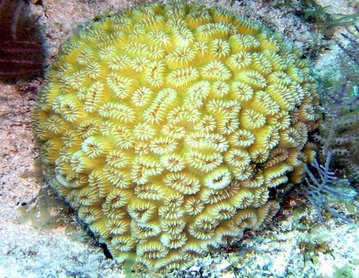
166, 125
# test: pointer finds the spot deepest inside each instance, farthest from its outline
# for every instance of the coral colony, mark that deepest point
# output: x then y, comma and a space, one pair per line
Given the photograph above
167, 125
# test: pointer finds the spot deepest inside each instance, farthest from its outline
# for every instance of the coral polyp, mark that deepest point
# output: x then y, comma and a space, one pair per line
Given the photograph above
167, 125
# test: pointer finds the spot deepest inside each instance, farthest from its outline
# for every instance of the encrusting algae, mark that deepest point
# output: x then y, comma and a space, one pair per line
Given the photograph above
166, 126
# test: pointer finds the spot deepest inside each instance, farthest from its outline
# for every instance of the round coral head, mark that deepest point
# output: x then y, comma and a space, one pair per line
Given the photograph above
166, 125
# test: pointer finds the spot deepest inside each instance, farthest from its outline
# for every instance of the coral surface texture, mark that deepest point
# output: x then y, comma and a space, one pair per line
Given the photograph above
167, 126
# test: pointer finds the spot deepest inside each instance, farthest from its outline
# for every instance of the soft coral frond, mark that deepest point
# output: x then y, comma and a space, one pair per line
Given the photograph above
325, 183
339, 131
350, 43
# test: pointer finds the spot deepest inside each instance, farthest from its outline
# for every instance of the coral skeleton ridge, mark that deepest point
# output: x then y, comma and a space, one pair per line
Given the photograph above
166, 126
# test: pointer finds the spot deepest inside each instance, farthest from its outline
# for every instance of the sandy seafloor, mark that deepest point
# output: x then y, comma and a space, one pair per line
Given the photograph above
39, 234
